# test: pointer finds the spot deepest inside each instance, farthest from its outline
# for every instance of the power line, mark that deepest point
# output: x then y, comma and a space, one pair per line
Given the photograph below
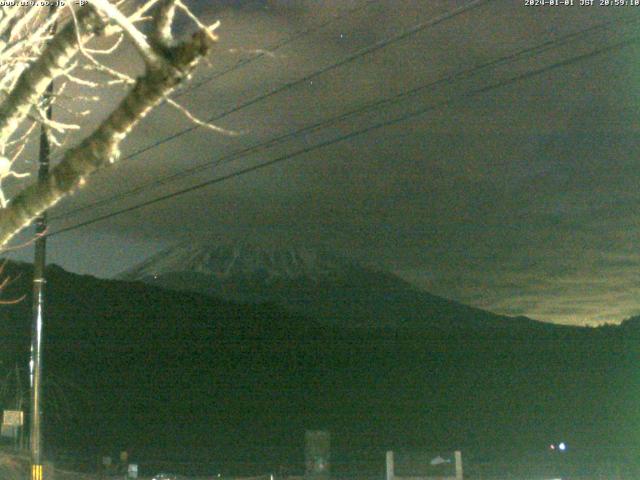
419, 112
276, 47
508, 58
361, 53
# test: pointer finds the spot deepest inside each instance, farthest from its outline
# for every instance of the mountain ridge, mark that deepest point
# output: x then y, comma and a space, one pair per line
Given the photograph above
180, 373
310, 282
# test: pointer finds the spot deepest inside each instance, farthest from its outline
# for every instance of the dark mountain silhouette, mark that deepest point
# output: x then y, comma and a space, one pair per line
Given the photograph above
310, 282
182, 375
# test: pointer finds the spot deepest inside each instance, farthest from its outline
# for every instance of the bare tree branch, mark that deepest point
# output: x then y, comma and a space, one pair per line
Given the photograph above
102, 146
138, 39
201, 123
34, 79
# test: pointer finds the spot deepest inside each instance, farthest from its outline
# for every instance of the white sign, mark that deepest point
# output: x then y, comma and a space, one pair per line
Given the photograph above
13, 418
8, 431
133, 470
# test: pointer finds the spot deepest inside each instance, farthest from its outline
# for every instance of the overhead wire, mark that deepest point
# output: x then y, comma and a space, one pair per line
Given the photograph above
271, 50
356, 133
360, 53
348, 59
377, 104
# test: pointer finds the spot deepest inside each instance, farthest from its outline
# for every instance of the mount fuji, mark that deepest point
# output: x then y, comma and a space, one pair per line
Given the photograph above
315, 283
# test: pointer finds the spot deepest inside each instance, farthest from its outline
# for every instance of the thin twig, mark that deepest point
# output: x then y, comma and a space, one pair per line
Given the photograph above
199, 122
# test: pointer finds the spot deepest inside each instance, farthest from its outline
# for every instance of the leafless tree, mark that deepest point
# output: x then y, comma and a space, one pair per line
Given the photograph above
33, 54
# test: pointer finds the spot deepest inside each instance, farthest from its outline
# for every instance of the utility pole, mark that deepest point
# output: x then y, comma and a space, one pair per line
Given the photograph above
39, 262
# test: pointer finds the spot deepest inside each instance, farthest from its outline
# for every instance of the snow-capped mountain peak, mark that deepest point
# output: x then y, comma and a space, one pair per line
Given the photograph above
313, 282
232, 260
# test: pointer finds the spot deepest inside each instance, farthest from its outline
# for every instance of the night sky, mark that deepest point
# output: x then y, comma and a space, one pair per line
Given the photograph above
520, 198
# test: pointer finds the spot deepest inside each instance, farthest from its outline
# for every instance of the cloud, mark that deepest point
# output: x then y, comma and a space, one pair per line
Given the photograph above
521, 200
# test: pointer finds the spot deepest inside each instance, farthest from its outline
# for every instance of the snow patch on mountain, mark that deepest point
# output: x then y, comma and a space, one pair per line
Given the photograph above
240, 260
